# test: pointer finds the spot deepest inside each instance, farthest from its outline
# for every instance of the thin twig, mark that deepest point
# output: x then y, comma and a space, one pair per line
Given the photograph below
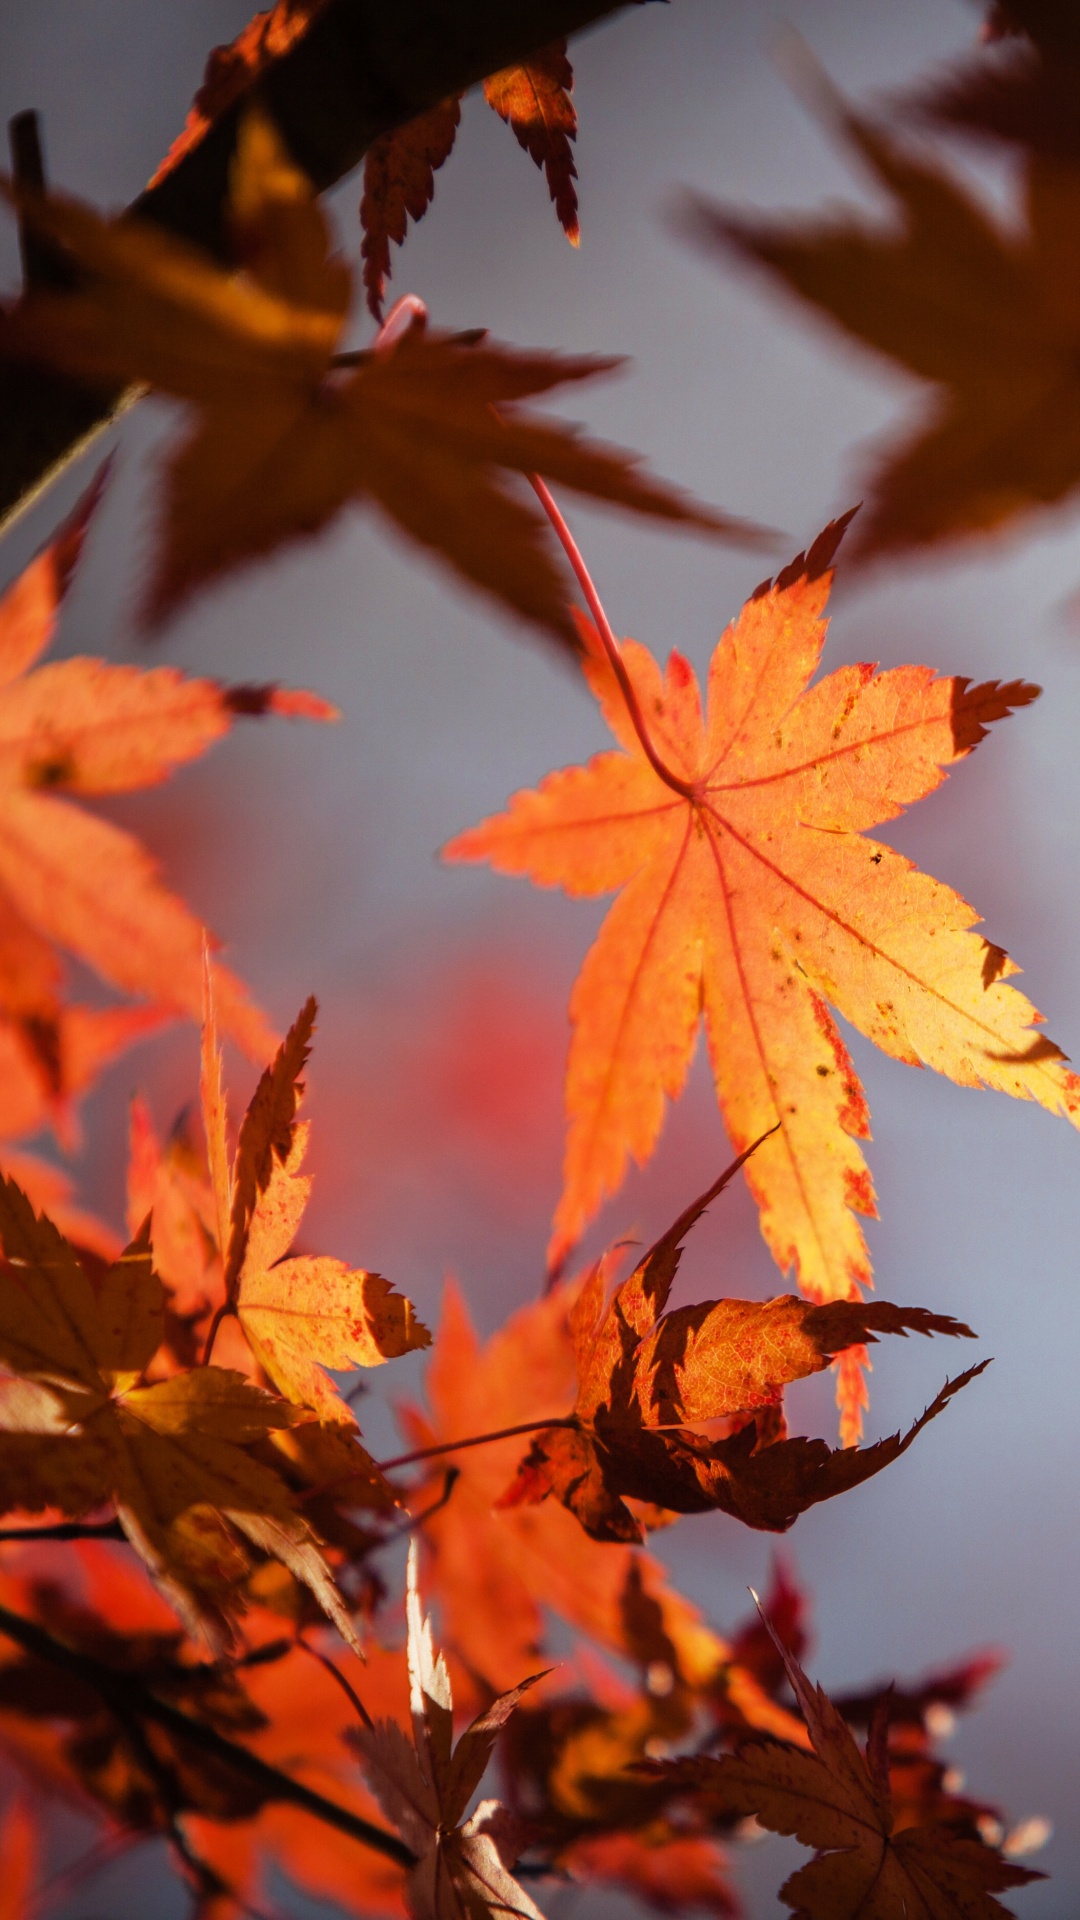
335, 1673
226, 1308
450, 1480
610, 644
67, 1530
476, 1440
126, 1695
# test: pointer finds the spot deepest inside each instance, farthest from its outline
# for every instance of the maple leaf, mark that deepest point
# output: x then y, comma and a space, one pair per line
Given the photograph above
924, 1788
749, 891
399, 182
400, 166
309, 1312
947, 292
282, 438
424, 1788
173, 1455
69, 880
838, 1800
643, 1374
534, 99
496, 1568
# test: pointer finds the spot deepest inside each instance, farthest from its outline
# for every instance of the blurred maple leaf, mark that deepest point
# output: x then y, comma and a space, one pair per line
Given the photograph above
645, 1377
310, 1312
70, 880
839, 1801
425, 1787
284, 436
749, 891
1023, 86
989, 314
78, 1430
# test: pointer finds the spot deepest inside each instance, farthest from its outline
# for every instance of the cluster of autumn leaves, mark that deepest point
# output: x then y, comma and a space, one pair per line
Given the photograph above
197, 1411
173, 1399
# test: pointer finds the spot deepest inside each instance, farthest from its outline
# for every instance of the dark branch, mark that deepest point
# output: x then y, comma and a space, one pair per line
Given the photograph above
362, 68
67, 1530
127, 1697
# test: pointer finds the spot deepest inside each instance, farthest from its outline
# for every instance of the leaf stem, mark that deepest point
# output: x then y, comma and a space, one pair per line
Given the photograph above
125, 1696
610, 644
475, 1440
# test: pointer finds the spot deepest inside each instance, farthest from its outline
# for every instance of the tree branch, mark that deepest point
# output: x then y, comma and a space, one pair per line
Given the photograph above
128, 1697
67, 1530
362, 68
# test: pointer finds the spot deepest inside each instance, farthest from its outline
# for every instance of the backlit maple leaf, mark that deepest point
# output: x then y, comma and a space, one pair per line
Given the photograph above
750, 893
399, 182
283, 438
79, 1429
72, 881
645, 1377
400, 167
838, 1800
495, 1569
425, 1786
989, 314
303, 1314
534, 99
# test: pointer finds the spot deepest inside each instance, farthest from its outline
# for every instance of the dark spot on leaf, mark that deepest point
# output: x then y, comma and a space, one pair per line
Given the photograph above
56, 770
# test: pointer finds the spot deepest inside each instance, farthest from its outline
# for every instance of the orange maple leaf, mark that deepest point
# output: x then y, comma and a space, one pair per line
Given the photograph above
750, 893
302, 1314
496, 1569
534, 99
70, 880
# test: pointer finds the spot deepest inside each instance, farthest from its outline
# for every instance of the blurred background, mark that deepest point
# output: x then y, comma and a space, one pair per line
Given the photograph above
313, 852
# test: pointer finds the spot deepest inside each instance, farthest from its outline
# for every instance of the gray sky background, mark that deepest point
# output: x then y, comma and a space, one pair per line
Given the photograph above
312, 852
